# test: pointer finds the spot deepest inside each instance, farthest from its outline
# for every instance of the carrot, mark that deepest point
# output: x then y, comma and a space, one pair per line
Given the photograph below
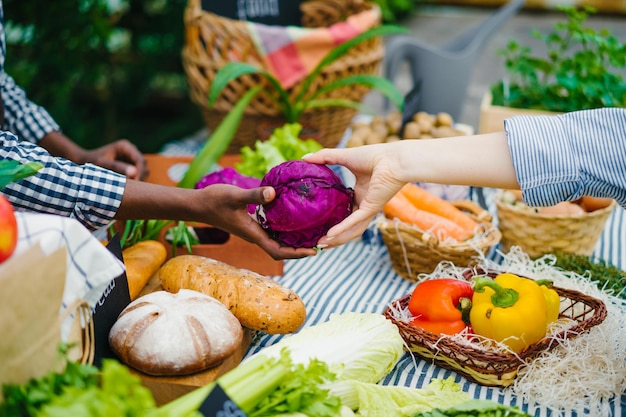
427, 201
401, 208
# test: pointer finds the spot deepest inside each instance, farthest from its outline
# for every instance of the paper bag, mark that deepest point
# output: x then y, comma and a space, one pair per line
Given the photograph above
32, 285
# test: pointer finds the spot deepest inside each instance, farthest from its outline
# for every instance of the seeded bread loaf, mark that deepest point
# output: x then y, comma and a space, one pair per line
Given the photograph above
259, 302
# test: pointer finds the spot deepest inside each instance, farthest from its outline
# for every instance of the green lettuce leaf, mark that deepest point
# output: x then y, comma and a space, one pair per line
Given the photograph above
357, 346
373, 400
283, 145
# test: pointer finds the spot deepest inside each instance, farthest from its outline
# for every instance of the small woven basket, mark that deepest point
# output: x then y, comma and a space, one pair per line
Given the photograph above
538, 234
413, 252
212, 41
491, 367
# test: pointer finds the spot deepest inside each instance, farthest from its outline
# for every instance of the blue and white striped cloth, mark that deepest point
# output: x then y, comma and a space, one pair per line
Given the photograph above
358, 277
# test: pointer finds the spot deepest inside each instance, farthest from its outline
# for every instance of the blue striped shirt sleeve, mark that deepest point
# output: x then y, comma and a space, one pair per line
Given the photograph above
88, 193
561, 158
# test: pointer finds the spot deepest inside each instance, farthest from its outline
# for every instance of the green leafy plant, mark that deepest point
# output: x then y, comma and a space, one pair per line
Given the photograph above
104, 69
607, 276
11, 170
394, 10
581, 69
293, 106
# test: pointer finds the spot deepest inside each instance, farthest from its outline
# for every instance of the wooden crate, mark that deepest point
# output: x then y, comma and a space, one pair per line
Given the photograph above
225, 247
492, 117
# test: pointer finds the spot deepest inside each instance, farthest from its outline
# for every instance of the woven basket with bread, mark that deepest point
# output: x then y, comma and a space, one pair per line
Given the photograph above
485, 363
417, 242
212, 41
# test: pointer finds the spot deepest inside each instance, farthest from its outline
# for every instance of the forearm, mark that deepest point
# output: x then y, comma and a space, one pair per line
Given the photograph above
144, 200
88, 193
60, 145
477, 160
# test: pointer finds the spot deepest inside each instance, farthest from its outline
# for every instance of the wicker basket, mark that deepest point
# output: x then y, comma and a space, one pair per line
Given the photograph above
212, 41
413, 252
538, 234
490, 367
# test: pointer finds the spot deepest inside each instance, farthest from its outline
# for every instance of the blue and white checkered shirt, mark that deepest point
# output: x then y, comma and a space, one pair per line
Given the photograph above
89, 193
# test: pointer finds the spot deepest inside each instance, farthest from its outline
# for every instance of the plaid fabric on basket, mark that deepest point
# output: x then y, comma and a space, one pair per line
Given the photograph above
292, 52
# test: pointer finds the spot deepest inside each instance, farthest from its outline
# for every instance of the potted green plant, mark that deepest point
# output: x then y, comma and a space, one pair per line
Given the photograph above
580, 70
293, 105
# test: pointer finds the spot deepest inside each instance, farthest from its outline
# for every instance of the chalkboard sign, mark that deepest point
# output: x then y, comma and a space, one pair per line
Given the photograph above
269, 12
218, 404
115, 298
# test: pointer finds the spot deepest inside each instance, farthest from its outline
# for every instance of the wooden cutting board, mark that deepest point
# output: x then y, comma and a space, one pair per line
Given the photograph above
165, 388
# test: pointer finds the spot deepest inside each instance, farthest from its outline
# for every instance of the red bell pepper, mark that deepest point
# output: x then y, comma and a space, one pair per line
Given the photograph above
441, 306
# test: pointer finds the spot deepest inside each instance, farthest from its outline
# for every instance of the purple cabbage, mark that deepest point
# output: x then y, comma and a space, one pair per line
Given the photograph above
232, 177
310, 199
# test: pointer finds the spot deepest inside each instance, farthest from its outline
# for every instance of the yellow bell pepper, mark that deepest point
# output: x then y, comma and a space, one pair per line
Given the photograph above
509, 309
553, 300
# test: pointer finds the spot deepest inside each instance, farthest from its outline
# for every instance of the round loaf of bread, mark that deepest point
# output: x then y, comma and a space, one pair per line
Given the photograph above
174, 334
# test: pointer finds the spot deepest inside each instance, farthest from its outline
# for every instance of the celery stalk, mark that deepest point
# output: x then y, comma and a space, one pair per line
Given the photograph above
249, 393
246, 385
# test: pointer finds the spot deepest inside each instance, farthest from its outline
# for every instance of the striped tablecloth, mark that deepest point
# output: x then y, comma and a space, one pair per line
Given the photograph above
358, 277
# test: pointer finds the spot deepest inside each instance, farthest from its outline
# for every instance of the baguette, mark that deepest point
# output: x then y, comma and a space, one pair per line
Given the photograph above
259, 302
142, 261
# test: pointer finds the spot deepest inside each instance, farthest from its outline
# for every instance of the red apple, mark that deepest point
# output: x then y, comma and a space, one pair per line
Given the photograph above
8, 229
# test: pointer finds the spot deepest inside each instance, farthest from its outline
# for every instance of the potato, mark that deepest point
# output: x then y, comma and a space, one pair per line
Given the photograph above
564, 208
380, 128
425, 125
423, 116
392, 138
444, 119
359, 125
377, 120
412, 131
259, 302
394, 124
355, 140
375, 137
445, 132
394, 117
